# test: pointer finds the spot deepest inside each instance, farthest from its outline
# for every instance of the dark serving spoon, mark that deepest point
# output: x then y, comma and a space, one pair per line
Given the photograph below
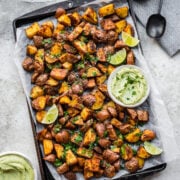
156, 24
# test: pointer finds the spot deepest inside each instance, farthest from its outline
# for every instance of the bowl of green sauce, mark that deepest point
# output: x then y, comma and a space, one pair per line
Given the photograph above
16, 166
128, 86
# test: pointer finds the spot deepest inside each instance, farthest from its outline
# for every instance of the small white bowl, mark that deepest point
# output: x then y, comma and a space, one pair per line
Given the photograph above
23, 156
114, 74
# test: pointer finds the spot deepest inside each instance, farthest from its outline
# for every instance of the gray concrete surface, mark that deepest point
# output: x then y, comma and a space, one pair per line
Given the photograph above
15, 128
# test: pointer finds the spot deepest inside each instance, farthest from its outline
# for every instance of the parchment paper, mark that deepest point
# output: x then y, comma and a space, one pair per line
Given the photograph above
159, 119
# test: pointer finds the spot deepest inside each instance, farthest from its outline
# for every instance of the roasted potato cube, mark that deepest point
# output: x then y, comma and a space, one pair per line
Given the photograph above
64, 87
148, 135
70, 125
129, 29
110, 69
75, 18
111, 132
132, 113
91, 83
81, 161
91, 47
58, 74
116, 123
67, 65
48, 23
120, 44
52, 82
50, 158
77, 138
58, 29
101, 79
107, 24
45, 31
101, 54
125, 128
130, 59
59, 150
102, 115
80, 46
106, 10
110, 156
31, 49
56, 49
64, 100
67, 57
143, 115
71, 159
122, 12
77, 120
115, 149
63, 168
140, 162
92, 164
142, 153
112, 111
86, 113
120, 25
50, 58
28, 64
32, 30
39, 103
102, 68
47, 146
63, 136
132, 165
93, 72
99, 100
133, 136
126, 152
118, 142
90, 15
72, 112
109, 104
87, 153
39, 56
77, 169
88, 174
36, 91
65, 20
75, 33
60, 11
109, 171
89, 137
40, 115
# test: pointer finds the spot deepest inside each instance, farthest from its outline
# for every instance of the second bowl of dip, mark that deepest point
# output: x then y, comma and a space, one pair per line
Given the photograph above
128, 86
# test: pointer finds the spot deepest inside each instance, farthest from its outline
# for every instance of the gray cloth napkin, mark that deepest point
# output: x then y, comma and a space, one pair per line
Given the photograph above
170, 41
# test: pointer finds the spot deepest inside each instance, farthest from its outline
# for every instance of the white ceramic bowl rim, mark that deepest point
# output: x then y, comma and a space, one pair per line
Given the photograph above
112, 76
22, 155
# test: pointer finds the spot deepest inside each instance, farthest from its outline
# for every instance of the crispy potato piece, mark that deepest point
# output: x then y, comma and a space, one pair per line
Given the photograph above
126, 152
102, 68
133, 136
93, 72
115, 149
90, 16
92, 164
103, 115
99, 100
76, 102
76, 138
36, 91
72, 112
112, 111
63, 136
64, 87
111, 132
106, 10
89, 137
91, 47
129, 29
31, 49
47, 146
81, 161
116, 123
50, 58
80, 46
64, 19
70, 125
110, 69
120, 44
58, 74
52, 82
67, 57
142, 153
143, 115
107, 24
60, 11
49, 24
118, 142
77, 120
122, 12
67, 65
130, 59
71, 159
63, 168
45, 31
75, 33
39, 103
56, 49
50, 158
101, 79
32, 30
91, 83
109, 104
101, 54
64, 100
59, 27
40, 115
140, 162
88, 174
132, 165
86, 113
87, 153
132, 113
59, 150
148, 135
28, 64
120, 25
75, 18
39, 56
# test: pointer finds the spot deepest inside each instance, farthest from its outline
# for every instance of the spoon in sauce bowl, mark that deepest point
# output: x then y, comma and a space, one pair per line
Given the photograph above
156, 24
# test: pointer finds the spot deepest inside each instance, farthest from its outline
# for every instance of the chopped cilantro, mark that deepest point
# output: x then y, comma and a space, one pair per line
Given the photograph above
78, 138
138, 134
134, 151
47, 41
66, 113
57, 162
94, 73
57, 128
105, 134
62, 32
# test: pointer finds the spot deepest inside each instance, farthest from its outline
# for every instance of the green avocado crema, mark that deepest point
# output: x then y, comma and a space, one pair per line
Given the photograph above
15, 167
129, 86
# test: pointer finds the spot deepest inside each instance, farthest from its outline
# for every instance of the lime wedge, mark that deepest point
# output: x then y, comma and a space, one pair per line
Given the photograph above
51, 115
118, 58
129, 40
152, 149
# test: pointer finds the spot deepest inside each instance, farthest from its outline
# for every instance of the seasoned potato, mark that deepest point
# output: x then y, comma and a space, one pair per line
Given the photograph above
56, 49
28, 64
36, 91
122, 12
64, 87
63, 136
92, 164
142, 153
130, 59
45, 31
47, 146
67, 57
120, 25
111, 132
63, 168
140, 162
87, 153
50, 158
102, 68
60, 11
102, 115
40, 115
71, 159
58, 74
99, 100
65, 20
143, 115
75, 33
88, 174
86, 113
59, 27
64, 100
129, 29
50, 58
77, 120
132, 165
101, 79
48, 23
89, 137
91, 83
32, 30
106, 10
110, 69
52, 82
39, 103
133, 136
67, 65
126, 152
72, 112
75, 18
80, 46
116, 123
59, 150
110, 156
39, 56
109, 104
31, 49
90, 15
148, 135
81, 161
93, 72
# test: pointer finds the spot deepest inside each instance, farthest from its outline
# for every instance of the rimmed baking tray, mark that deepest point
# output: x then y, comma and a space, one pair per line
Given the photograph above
46, 12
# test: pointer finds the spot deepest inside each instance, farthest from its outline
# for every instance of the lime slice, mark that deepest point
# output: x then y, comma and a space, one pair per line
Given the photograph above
51, 115
152, 149
118, 58
129, 40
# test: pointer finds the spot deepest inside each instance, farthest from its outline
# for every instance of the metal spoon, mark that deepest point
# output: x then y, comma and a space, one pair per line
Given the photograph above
156, 24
